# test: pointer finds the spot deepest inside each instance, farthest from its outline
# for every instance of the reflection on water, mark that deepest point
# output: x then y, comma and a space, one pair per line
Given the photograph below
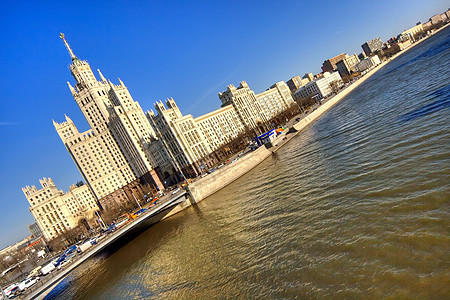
355, 206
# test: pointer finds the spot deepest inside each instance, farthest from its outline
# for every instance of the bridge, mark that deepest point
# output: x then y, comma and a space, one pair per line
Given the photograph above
149, 217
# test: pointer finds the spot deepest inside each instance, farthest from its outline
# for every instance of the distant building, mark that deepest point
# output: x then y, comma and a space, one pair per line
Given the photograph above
412, 32
330, 64
437, 18
275, 100
56, 212
319, 88
244, 101
427, 25
308, 76
35, 230
220, 126
190, 142
346, 66
294, 83
372, 46
183, 141
367, 63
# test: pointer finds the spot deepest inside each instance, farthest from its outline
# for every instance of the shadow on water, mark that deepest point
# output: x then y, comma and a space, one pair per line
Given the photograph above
443, 95
140, 235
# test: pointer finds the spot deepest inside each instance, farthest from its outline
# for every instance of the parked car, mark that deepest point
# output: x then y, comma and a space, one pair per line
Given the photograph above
175, 191
27, 283
35, 272
11, 290
62, 264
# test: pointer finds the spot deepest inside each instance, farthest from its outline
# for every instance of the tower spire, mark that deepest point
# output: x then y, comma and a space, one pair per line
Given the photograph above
101, 76
72, 56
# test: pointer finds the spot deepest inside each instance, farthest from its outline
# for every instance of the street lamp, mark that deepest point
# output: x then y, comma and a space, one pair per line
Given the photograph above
131, 190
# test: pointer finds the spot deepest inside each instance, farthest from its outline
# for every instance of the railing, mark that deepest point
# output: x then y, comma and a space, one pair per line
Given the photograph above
50, 280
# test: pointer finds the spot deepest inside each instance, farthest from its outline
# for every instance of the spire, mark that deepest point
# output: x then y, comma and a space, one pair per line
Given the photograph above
101, 76
72, 90
72, 56
121, 83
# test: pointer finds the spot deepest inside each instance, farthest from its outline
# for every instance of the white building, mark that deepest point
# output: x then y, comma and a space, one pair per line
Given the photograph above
367, 63
189, 142
112, 155
320, 87
56, 212
183, 141
220, 126
245, 103
275, 100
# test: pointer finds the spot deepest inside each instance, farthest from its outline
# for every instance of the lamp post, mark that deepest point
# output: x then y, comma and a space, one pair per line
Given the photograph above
100, 218
131, 190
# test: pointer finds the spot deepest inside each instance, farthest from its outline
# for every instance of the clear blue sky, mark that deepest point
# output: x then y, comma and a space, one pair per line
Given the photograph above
188, 51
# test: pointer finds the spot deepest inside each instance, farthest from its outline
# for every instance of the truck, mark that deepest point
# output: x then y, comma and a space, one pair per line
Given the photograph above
48, 268
86, 245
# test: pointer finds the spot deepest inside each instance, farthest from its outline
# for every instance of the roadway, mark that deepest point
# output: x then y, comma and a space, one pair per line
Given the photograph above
48, 282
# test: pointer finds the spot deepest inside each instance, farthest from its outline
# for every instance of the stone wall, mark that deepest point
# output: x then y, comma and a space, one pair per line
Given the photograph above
220, 178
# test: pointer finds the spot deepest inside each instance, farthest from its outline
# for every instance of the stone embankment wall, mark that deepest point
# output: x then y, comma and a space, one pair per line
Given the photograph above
212, 183
217, 180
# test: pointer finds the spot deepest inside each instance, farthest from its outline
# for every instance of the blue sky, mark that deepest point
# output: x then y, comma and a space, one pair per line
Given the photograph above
186, 50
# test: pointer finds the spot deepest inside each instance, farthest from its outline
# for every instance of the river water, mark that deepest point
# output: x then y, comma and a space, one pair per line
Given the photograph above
355, 206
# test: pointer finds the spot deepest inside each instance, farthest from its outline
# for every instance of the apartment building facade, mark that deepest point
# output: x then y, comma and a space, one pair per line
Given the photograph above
56, 212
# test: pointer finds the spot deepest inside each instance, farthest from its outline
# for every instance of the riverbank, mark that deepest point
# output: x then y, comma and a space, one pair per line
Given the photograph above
205, 187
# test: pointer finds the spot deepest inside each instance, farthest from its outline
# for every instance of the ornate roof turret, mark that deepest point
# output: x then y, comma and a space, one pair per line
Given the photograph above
72, 90
102, 77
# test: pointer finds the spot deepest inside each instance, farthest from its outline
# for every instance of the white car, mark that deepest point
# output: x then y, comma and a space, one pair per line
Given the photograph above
63, 263
10, 290
175, 191
27, 283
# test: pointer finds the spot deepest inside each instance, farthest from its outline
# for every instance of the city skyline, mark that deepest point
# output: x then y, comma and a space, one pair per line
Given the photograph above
33, 149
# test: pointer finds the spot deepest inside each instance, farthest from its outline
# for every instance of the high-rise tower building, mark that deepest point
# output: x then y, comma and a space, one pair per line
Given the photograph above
111, 155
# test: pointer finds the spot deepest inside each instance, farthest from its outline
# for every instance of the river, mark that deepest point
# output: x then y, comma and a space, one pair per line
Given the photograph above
355, 206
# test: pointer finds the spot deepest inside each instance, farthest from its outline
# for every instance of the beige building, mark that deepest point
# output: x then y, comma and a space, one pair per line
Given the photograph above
346, 66
275, 100
188, 143
244, 101
329, 65
112, 155
220, 126
297, 82
319, 88
182, 142
410, 33
367, 63
56, 212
